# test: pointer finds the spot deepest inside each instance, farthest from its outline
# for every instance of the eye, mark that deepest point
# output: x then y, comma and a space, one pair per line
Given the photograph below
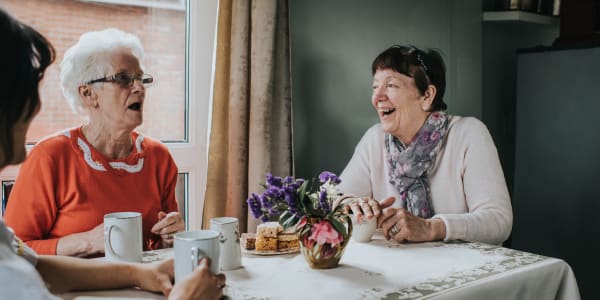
375, 86
123, 79
392, 85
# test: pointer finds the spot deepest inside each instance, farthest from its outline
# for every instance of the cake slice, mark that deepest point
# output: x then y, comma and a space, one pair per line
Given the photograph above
287, 241
249, 241
264, 244
268, 229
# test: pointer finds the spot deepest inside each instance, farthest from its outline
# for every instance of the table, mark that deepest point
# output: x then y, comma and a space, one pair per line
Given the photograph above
385, 270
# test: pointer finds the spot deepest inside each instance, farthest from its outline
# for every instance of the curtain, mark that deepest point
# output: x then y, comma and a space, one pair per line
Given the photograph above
251, 130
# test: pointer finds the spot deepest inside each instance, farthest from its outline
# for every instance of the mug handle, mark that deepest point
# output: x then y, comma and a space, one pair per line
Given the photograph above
110, 248
195, 257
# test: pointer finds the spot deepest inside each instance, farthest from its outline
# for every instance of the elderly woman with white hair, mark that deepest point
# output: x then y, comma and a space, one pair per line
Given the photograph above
72, 179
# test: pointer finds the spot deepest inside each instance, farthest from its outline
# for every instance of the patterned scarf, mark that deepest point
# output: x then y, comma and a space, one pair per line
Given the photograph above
408, 166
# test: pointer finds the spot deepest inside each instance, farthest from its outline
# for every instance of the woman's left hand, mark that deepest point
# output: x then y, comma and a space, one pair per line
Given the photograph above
167, 226
402, 226
155, 277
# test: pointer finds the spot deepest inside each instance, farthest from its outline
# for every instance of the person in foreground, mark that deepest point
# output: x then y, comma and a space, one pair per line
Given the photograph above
24, 56
426, 175
72, 179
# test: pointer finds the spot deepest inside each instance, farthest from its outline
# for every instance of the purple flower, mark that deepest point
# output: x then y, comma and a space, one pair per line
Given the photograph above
326, 175
273, 180
290, 198
288, 180
254, 204
323, 204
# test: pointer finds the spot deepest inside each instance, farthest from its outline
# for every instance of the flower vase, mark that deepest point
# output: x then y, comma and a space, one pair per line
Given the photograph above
322, 244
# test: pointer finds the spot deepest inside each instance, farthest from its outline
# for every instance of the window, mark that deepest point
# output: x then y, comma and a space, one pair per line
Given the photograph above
178, 38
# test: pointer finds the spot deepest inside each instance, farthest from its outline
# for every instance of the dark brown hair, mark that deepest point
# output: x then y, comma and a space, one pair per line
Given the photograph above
24, 56
426, 67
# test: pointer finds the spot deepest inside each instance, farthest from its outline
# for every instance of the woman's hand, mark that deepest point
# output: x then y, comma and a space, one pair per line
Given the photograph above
201, 284
155, 277
369, 207
168, 224
82, 244
402, 226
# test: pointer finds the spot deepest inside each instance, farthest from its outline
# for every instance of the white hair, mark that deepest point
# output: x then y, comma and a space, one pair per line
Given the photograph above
89, 59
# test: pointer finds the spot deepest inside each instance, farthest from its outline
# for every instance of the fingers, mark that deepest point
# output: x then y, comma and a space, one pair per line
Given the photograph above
165, 285
204, 263
387, 202
385, 216
170, 223
221, 279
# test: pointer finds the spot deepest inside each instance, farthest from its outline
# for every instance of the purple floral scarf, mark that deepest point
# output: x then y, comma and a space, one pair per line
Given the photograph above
408, 166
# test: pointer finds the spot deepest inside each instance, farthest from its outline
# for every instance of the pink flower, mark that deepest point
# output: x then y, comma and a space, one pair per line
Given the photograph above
308, 243
323, 232
301, 223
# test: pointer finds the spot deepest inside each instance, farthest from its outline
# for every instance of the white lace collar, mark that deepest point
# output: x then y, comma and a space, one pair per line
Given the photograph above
117, 165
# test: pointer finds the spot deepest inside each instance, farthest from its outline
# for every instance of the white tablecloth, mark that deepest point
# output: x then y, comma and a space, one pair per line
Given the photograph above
385, 270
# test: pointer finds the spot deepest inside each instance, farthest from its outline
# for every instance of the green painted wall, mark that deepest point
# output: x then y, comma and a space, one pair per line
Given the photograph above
333, 43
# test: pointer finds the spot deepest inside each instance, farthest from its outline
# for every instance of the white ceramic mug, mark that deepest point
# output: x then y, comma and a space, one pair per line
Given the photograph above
231, 253
364, 231
190, 247
123, 236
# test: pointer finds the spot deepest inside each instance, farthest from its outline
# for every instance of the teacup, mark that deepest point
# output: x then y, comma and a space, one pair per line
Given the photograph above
123, 236
190, 247
231, 253
364, 231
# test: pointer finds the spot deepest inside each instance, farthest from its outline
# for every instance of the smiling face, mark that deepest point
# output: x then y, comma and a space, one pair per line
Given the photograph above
115, 106
401, 108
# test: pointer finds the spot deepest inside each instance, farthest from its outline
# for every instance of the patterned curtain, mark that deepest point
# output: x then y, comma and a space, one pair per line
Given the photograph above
251, 131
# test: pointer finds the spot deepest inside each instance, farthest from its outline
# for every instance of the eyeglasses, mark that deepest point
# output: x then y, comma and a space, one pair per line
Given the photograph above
125, 80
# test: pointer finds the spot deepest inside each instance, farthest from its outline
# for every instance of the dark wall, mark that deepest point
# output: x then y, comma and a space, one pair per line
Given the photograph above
556, 200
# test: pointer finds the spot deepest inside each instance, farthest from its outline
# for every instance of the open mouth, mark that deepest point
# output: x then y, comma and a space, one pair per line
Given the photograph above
386, 111
135, 106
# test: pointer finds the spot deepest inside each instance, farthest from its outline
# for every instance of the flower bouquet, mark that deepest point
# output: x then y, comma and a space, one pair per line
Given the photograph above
308, 208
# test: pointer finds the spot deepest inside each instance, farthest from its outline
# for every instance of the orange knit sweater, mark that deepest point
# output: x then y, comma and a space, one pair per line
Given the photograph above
65, 186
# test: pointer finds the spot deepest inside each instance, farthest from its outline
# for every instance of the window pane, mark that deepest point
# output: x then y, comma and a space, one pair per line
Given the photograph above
181, 192
162, 33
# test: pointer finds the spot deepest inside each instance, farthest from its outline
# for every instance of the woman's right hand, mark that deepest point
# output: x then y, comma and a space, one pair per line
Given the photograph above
369, 208
202, 284
82, 244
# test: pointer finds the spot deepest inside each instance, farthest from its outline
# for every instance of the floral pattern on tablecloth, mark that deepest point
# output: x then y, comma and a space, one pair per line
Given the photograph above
424, 290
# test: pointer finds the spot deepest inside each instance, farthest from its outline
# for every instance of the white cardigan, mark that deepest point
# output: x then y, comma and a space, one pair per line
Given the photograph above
468, 189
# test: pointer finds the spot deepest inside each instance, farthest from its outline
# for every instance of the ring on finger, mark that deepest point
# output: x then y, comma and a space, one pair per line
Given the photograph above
394, 230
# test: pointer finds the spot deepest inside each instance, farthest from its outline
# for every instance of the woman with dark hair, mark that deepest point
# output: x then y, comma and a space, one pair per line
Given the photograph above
24, 56
439, 175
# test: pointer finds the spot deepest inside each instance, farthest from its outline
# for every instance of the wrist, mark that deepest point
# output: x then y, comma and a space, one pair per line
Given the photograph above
437, 229
135, 273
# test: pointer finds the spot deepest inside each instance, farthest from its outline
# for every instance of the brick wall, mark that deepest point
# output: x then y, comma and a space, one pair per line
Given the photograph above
162, 33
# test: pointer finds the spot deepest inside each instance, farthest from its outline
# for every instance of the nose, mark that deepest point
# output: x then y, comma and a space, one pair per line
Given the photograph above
137, 85
379, 93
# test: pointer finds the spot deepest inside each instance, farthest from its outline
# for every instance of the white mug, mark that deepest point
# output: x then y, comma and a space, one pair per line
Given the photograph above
231, 253
190, 247
364, 231
123, 236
